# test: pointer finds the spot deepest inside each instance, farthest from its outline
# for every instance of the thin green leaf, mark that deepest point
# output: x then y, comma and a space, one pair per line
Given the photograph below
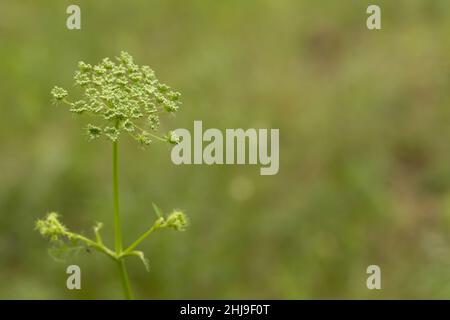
142, 257
157, 210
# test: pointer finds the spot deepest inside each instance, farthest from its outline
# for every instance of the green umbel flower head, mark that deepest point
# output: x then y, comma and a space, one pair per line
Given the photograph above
123, 98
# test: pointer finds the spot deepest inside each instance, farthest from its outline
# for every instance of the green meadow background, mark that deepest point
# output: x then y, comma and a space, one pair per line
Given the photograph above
364, 119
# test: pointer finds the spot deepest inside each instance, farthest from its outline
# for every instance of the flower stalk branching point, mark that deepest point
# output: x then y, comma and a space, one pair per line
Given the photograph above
121, 98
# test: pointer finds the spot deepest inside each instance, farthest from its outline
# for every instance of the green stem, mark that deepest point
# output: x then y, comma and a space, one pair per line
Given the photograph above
124, 278
93, 244
118, 226
117, 223
139, 240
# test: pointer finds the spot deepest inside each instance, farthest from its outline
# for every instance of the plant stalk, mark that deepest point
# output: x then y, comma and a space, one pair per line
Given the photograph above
139, 240
118, 226
124, 278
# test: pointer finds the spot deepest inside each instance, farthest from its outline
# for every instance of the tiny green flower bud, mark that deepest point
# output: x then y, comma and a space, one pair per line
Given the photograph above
177, 220
95, 106
136, 113
112, 133
159, 98
135, 76
81, 79
58, 93
122, 81
163, 87
172, 137
125, 58
170, 106
109, 114
119, 71
93, 131
99, 69
148, 73
98, 81
79, 107
144, 139
153, 121
174, 96
91, 92
128, 125
84, 67
107, 63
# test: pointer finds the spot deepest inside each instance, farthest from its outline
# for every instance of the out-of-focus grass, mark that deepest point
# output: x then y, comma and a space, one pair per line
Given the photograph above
364, 127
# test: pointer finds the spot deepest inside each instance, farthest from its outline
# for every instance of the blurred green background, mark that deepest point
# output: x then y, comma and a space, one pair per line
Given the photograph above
364, 123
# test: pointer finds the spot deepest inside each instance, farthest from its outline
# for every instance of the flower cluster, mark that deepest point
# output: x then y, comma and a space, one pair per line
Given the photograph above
176, 220
124, 96
51, 227
62, 238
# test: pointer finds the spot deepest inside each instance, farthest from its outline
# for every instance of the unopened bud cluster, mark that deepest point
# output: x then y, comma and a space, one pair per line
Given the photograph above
176, 220
51, 227
124, 97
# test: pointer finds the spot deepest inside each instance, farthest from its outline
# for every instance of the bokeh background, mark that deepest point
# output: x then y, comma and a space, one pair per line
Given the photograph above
364, 119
